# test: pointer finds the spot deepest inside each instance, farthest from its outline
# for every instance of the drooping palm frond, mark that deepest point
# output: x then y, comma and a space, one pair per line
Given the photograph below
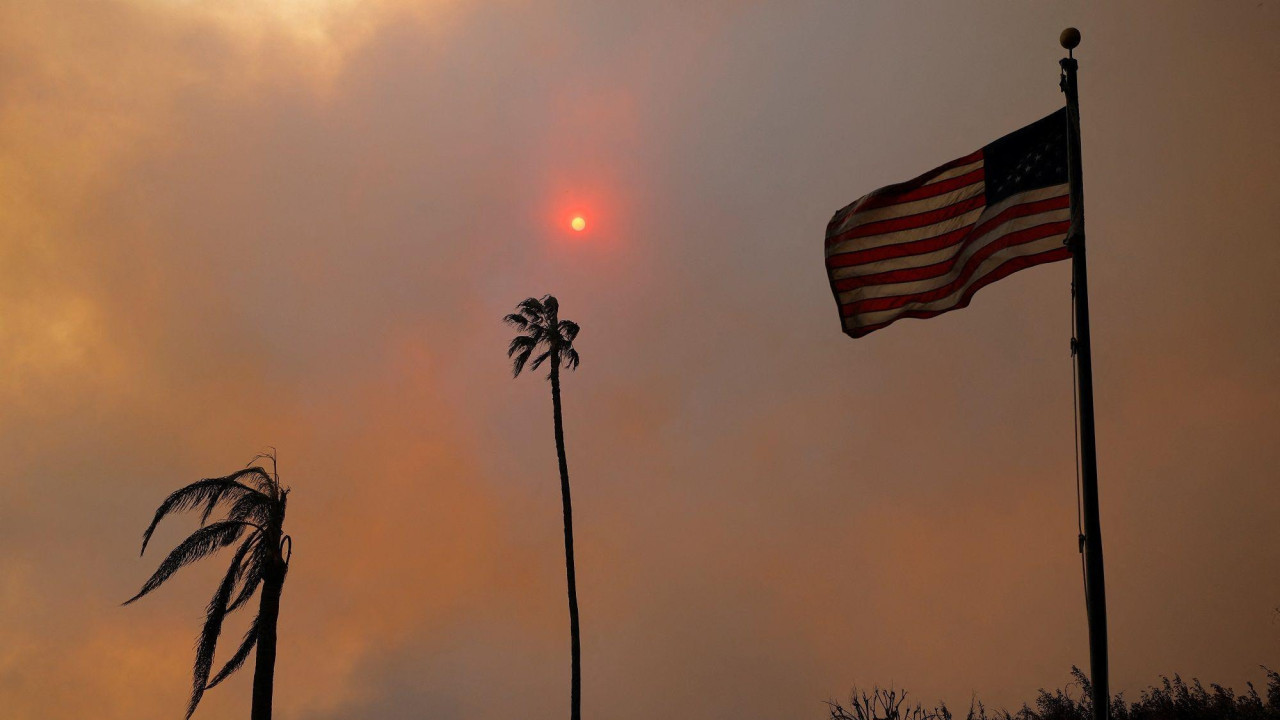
519, 322
210, 491
250, 507
248, 556
517, 364
214, 615
520, 343
237, 660
540, 359
227, 492
250, 577
199, 544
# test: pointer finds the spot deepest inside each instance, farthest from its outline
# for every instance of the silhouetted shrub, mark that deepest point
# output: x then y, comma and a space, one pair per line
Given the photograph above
881, 704
1170, 700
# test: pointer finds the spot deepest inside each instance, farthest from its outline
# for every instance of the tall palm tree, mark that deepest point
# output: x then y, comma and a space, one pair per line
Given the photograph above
542, 331
255, 504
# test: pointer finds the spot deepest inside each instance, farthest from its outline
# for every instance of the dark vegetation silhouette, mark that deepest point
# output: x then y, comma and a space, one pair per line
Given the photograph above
543, 332
1170, 700
255, 503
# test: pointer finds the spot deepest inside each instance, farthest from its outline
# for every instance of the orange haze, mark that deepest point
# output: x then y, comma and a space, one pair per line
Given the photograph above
231, 225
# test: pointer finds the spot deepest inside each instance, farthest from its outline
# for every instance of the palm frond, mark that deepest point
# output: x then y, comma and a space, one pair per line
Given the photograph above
518, 363
250, 576
231, 489
517, 321
247, 557
520, 342
532, 308
256, 474
251, 507
540, 359
208, 642
265, 481
199, 544
251, 583
568, 330
237, 660
571, 359
550, 306
198, 492
250, 562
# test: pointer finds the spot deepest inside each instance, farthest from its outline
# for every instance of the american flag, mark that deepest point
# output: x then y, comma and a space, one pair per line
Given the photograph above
924, 247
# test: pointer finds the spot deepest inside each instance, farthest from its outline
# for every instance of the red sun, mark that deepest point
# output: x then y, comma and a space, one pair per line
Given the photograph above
578, 223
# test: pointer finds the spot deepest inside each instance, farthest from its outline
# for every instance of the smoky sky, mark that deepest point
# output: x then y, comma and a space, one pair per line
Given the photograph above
228, 226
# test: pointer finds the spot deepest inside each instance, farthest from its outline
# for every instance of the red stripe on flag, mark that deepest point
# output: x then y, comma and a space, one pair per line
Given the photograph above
927, 191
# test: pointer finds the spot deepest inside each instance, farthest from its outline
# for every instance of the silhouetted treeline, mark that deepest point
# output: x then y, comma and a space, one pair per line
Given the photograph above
1170, 700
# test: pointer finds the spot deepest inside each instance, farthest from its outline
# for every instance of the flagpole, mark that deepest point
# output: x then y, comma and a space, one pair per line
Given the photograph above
1095, 583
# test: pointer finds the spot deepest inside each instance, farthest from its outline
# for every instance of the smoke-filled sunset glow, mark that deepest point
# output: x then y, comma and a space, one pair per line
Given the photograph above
230, 226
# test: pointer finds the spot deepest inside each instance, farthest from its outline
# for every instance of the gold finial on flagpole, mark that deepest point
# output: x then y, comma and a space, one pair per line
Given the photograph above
1070, 38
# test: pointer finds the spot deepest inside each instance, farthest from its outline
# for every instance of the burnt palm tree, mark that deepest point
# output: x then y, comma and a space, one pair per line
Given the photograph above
543, 332
255, 504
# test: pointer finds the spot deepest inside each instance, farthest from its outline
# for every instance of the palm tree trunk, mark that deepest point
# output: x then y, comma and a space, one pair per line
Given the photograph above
264, 670
575, 643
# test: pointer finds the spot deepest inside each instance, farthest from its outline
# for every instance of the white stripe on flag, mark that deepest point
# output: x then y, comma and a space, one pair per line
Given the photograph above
955, 172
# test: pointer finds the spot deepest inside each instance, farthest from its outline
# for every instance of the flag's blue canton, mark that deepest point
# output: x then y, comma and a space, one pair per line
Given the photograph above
1032, 157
